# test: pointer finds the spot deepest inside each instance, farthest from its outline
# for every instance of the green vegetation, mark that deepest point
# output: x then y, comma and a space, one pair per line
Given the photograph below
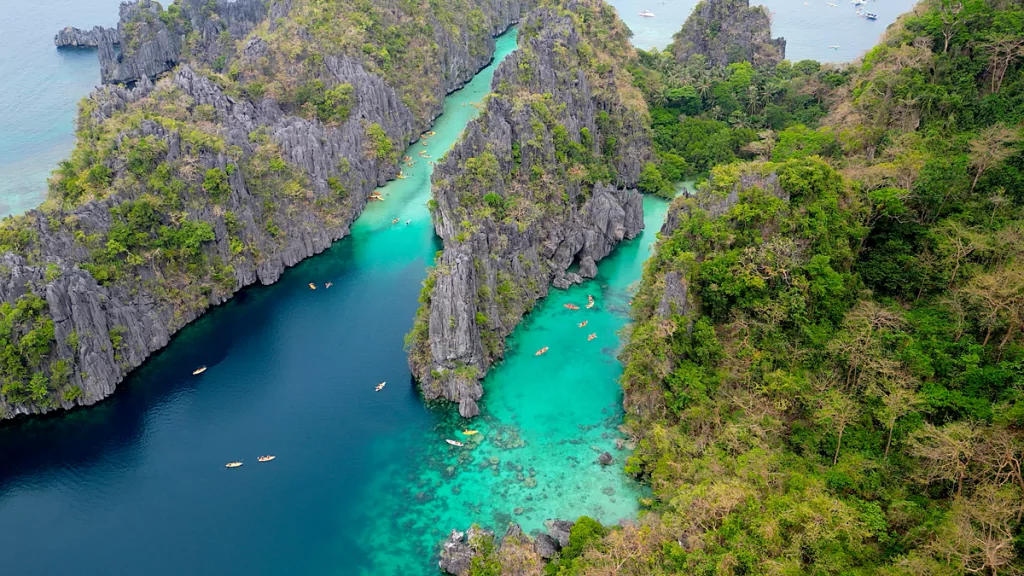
837, 392
26, 340
705, 116
547, 171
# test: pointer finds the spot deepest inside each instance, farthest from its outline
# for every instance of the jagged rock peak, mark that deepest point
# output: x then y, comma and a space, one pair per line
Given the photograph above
728, 31
512, 207
71, 37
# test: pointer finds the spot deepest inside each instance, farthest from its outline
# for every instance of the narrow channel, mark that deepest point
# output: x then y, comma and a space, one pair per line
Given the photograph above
363, 481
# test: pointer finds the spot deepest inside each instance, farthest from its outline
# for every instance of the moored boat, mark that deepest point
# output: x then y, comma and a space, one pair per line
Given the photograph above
871, 16
454, 442
647, 14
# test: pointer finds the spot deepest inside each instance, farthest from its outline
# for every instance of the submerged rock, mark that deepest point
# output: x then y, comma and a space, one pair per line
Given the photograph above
605, 459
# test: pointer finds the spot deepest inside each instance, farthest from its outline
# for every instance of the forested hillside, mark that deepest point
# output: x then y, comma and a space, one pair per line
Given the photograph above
824, 373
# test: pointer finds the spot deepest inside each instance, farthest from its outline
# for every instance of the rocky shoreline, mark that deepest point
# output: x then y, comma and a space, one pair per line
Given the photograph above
512, 202
102, 329
460, 548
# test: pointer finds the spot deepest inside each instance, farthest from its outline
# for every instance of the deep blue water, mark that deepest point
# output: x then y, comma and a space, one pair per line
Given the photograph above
363, 483
40, 87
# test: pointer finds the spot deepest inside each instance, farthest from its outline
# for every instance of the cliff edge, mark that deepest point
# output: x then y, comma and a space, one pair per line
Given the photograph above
542, 180
236, 162
728, 31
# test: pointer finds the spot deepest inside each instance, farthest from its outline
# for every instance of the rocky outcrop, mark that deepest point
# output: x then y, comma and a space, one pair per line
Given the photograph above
728, 31
458, 551
515, 204
460, 548
291, 186
74, 38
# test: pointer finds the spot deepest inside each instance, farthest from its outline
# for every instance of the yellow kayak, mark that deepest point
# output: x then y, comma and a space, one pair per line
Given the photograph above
470, 432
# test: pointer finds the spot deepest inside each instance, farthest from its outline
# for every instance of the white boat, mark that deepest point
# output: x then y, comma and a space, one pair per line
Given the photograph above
454, 442
871, 16
380, 386
647, 14
267, 458
199, 371
232, 464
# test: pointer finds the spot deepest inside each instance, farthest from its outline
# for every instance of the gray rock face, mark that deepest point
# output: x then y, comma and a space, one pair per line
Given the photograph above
546, 546
142, 320
458, 551
728, 31
74, 38
559, 530
484, 283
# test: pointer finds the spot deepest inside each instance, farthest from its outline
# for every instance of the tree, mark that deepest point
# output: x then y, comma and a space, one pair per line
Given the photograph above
898, 401
980, 532
1002, 49
946, 453
838, 410
990, 148
999, 296
949, 13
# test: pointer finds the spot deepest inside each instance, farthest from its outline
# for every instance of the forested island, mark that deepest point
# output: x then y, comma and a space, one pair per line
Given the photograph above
823, 374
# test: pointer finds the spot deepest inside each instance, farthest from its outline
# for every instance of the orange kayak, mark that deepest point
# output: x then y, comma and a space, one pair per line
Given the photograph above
541, 351
572, 307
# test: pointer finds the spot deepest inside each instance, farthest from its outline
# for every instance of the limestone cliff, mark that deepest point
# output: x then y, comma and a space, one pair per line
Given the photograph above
218, 175
542, 180
727, 31
74, 38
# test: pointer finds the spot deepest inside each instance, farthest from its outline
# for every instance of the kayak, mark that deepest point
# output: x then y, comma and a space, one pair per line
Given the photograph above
572, 306
380, 386
470, 432
541, 351
591, 337
582, 324
199, 371
312, 286
232, 464
266, 458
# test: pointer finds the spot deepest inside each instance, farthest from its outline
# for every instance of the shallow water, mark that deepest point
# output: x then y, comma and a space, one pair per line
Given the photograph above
809, 26
39, 91
363, 481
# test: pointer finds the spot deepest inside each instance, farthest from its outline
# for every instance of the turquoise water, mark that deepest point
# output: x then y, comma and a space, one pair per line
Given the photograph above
363, 482
809, 26
41, 85
39, 91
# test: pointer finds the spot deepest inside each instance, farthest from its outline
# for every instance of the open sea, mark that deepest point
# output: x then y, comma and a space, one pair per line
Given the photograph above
363, 482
